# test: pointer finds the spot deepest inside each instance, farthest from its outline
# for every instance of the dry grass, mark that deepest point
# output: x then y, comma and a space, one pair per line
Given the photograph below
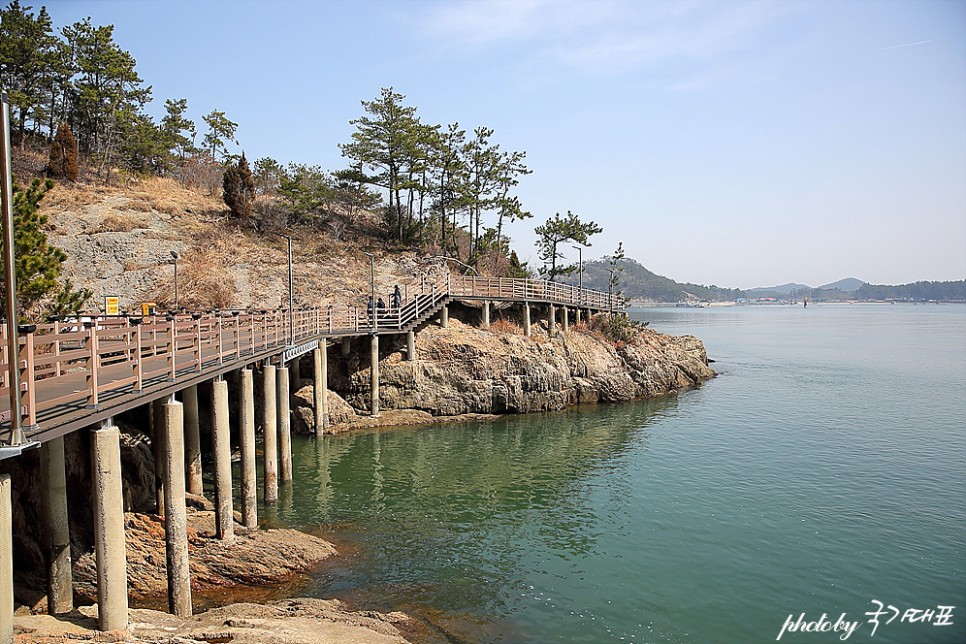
115, 224
506, 327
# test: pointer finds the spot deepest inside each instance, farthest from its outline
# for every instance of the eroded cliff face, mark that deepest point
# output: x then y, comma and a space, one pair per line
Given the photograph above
465, 370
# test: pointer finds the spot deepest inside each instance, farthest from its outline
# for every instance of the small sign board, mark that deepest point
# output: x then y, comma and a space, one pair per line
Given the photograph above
112, 305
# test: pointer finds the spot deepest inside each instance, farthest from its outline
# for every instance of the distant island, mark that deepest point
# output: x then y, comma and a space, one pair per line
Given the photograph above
638, 284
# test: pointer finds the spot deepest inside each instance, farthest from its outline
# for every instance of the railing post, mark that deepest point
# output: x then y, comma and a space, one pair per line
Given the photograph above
251, 325
196, 349
57, 370
236, 333
172, 347
92, 364
27, 374
221, 341
330, 318
138, 348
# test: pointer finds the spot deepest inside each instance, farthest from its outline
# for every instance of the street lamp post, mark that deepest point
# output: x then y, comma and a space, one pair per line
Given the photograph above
291, 293
291, 290
580, 272
174, 256
372, 289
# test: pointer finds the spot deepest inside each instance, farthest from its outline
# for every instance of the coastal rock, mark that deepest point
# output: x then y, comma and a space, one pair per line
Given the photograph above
465, 370
254, 558
303, 410
291, 621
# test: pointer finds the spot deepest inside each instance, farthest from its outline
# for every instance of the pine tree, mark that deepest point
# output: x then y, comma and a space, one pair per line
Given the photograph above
239, 188
63, 155
38, 264
557, 231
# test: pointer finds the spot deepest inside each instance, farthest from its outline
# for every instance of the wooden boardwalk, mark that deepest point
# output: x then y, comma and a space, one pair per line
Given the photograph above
75, 374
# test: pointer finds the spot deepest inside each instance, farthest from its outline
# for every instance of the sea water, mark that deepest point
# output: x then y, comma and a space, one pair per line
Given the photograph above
818, 482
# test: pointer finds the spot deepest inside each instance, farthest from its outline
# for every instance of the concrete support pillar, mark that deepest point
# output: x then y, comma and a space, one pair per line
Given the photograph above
374, 376
552, 321
246, 429
526, 319
284, 425
444, 317
60, 593
270, 430
410, 346
175, 513
346, 346
486, 315
157, 452
566, 319
6, 560
577, 315
109, 547
320, 387
294, 375
221, 445
192, 441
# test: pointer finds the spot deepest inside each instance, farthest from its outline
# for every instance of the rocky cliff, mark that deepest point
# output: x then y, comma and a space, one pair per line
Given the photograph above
466, 370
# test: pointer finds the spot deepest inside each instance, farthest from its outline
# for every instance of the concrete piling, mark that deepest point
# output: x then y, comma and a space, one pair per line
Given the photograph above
346, 346
410, 346
192, 441
157, 452
320, 387
444, 317
109, 548
175, 513
566, 319
270, 430
60, 593
221, 444
294, 375
526, 319
552, 321
374, 376
246, 422
486, 314
6, 561
284, 425
577, 315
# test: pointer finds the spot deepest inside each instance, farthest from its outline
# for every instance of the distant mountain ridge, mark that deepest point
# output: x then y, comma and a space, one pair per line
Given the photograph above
638, 283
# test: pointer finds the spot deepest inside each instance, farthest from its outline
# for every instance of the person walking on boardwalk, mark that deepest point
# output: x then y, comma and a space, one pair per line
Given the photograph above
396, 297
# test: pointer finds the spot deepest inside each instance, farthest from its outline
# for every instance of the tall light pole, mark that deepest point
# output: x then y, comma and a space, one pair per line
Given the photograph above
174, 256
372, 288
580, 273
291, 293
291, 290
9, 273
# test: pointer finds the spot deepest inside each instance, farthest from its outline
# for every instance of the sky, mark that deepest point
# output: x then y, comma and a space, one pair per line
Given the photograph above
725, 142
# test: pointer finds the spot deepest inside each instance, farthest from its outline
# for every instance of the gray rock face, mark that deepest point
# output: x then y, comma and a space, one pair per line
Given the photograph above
464, 370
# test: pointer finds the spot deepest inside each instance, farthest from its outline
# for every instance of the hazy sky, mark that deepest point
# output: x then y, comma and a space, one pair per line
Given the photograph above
736, 143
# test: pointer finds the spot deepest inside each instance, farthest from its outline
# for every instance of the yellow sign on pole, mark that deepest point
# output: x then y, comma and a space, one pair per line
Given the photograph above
112, 305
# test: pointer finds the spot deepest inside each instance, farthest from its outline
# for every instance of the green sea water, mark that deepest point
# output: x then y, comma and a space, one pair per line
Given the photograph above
823, 469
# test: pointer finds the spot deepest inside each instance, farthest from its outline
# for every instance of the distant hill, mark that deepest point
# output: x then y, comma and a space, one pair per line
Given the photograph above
847, 285
915, 292
638, 283
776, 291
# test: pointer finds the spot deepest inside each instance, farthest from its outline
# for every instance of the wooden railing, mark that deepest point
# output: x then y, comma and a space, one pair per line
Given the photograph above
75, 362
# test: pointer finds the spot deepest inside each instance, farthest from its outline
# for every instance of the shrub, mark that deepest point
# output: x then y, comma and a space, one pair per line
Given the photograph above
239, 189
63, 155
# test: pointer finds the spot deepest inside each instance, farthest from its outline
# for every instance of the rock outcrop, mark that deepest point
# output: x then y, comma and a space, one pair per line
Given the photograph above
255, 558
463, 370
